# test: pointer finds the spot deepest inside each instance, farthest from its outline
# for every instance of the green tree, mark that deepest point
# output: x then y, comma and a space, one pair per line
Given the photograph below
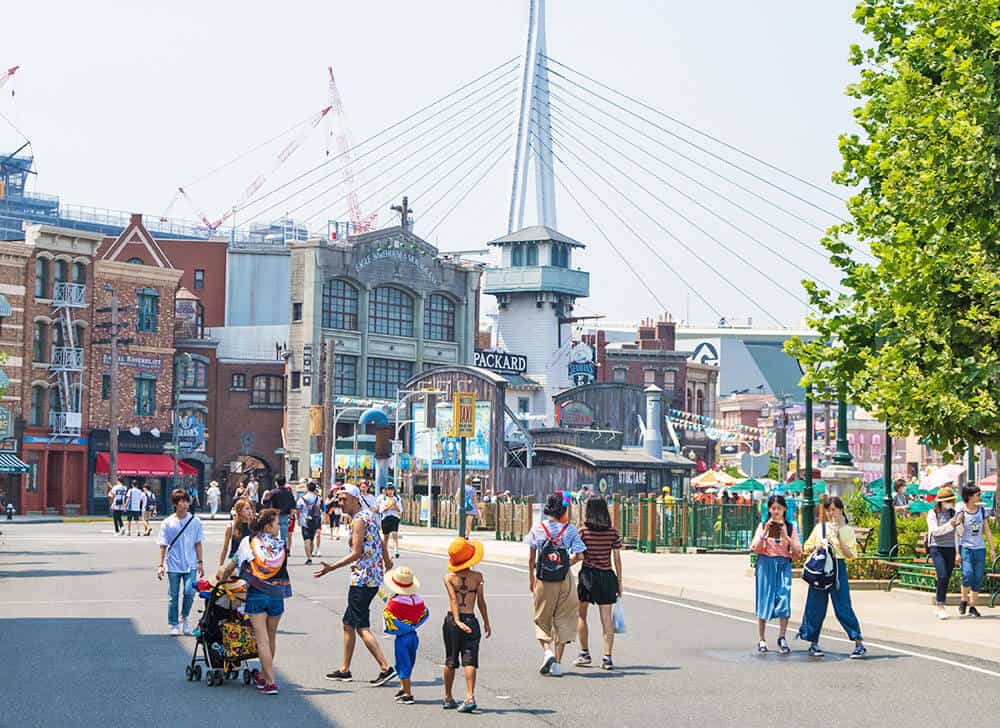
915, 337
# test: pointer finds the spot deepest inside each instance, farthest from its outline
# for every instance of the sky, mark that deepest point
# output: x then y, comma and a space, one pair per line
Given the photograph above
125, 101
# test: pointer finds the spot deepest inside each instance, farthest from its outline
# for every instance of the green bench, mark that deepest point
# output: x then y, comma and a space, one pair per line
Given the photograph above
912, 568
993, 578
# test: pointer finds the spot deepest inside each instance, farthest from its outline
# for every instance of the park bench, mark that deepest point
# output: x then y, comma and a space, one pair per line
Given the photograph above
993, 578
912, 568
863, 535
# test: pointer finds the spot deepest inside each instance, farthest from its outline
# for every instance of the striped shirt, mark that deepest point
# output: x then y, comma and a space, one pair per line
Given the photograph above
599, 546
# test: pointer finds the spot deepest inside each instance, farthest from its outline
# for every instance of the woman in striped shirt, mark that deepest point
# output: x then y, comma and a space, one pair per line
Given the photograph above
599, 584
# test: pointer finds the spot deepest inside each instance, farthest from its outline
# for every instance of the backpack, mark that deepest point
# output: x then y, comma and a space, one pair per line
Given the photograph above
314, 519
553, 559
820, 569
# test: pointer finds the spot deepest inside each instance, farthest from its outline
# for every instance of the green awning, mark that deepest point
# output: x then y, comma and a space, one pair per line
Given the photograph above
4, 381
11, 463
5, 309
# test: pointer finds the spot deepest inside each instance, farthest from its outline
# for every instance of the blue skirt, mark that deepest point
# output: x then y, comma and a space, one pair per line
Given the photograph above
774, 587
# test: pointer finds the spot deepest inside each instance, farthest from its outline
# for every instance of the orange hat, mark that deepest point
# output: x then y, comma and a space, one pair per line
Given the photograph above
464, 554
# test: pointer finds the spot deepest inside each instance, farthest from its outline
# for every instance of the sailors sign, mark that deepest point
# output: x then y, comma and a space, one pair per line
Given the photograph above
464, 415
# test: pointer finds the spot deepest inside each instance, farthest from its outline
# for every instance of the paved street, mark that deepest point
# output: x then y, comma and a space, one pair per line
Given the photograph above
82, 624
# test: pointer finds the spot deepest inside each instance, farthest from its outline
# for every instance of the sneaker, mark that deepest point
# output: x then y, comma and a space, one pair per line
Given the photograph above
762, 647
406, 700
175, 631
186, 628
309, 562
942, 613
316, 553
269, 689
783, 646
606, 663
399, 693
385, 676
397, 555
449, 704
467, 706
815, 651
548, 662
973, 612
582, 660
555, 670
339, 676
259, 682
859, 651
962, 606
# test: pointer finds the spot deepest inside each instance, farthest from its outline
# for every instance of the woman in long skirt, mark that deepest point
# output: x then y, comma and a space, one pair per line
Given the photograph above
776, 543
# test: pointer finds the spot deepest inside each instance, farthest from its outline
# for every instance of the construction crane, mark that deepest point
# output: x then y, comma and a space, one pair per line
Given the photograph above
360, 223
8, 75
257, 182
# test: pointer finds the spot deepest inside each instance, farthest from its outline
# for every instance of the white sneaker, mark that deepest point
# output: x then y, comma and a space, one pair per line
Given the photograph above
175, 631
555, 670
316, 553
942, 613
548, 662
186, 627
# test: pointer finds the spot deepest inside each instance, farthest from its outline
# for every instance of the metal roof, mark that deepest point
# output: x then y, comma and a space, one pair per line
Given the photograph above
631, 457
534, 234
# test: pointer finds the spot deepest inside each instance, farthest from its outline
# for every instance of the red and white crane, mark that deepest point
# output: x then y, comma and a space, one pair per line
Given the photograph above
8, 75
359, 222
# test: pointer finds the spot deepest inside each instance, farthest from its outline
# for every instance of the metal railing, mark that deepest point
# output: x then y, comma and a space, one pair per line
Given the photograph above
66, 359
72, 295
64, 424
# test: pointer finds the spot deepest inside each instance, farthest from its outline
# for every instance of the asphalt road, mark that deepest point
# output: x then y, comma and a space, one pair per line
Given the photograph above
83, 642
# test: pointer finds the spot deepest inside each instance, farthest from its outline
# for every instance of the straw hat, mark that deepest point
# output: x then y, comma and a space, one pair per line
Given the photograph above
945, 495
402, 581
464, 554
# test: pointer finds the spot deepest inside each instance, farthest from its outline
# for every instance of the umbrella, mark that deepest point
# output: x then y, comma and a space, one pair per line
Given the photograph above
920, 507
747, 486
712, 478
797, 486
942, 476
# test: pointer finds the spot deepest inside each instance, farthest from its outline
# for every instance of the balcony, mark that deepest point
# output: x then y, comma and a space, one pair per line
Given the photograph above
69, 295
537, 279
66, 359
64, 424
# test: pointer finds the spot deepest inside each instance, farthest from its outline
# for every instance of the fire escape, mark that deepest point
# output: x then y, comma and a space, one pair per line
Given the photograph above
66, 366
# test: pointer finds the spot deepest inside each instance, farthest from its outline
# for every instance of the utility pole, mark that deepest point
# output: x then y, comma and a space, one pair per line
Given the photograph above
115, 328
404, 213
329, 435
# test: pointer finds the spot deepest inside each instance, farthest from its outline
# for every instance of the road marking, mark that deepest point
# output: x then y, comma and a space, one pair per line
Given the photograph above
76, 601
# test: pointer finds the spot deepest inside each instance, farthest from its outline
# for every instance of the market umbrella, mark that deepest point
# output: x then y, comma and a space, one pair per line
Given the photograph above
797, 486
920, 506
747, 486
712, 479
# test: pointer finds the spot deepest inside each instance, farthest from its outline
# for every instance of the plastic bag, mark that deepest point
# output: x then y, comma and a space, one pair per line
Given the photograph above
618, 617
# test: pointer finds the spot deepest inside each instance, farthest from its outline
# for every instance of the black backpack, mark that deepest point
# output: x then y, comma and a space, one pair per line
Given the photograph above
553, 559
315, 518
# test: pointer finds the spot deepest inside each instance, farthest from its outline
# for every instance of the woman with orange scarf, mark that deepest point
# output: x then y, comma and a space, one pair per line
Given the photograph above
263, 564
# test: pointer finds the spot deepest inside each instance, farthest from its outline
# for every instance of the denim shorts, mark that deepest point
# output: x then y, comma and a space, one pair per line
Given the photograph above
258, 603
973, 568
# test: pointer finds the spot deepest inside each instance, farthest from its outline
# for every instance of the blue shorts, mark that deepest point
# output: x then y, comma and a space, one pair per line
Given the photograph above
259, 603
973, 568
405, 650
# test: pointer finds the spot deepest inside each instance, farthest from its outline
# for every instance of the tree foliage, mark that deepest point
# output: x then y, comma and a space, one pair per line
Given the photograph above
915, 337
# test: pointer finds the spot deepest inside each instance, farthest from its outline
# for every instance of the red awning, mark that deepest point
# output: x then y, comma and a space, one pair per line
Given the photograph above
137, 464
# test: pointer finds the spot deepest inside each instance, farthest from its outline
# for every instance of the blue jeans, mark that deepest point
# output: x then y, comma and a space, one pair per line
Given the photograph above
174, 579
283, 522
815, 611
944, 563
973, 568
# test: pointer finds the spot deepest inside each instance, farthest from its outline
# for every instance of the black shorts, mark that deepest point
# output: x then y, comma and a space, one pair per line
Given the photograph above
459, 645
597, 586
390, 524
308, 533
134, 515
359, 601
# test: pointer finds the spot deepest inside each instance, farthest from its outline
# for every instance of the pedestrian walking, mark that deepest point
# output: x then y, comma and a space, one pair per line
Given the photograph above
135, 506
367, 499
943, 543
282, 498
776, 542
600, 584
180, 541
241, 526
333, 514
404, 614
310, 508
263, 564
213, 496
471, 506
116, 497
240, 492
195, 499
461, 630
555, 547
974, 537
368, 560
253, 491
836, 535
149, 513
390, 508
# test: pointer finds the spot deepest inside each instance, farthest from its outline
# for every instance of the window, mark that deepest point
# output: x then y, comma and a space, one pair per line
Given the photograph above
876, 447
560, 256
194, 376
105, 387
669, 379
58, 340
340, 305
199, 279
345, 374
699, 402
390, 311
517, 256
149, 309
523, 405
41, 278
37, 404
439, 319
62, 271
38, 347
293, 470
648, 376
75, 397
268, 389
145, 396
55, 401
78, 332
79, 273
621, 375
238, 381
136, 261
296, 380
689, 401
531, 255
387, 376
296, 312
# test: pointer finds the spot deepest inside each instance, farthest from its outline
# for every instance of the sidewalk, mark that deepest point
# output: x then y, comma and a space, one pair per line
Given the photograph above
725, 580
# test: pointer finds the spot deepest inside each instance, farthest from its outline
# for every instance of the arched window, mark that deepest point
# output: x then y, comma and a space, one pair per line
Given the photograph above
39, 346
37, 415
136, 261
62, 271
850, 443
79, 273
76, 396
690, 400
41, 278
390, 311
268, 389
194, 376
439, 318
57, 338
861, 445
78, 333
531, 255
876, 447
700, 402
55, 401
517, 256
340, 305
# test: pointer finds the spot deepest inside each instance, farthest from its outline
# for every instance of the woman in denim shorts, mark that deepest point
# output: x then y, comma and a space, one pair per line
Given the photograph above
263, 564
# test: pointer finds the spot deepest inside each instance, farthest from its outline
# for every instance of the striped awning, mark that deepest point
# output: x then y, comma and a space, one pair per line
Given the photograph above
5, 309
11, 463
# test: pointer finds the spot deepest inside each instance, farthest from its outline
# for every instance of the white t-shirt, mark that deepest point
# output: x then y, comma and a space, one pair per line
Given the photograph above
253, 491
304, 503
118, 490
390, 506
136, 500
182, 557
214, 493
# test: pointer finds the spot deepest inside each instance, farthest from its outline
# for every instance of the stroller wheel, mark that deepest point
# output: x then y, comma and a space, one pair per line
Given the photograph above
196, 672
246, 677
188, 673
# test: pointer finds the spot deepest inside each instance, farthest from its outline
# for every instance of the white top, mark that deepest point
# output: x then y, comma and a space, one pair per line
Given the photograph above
213, 492
136, 499
253, 491
305, 503
182, 557
118, 490
390, 506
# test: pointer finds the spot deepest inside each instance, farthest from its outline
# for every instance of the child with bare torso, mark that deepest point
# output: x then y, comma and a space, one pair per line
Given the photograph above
466, 592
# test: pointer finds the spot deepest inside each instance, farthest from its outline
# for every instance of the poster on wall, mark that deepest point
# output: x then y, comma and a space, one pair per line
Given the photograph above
446, 449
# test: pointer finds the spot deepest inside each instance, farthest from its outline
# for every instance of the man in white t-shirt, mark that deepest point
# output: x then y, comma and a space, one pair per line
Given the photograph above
180, 558
135, 504
310, 509
116, 497
253, 491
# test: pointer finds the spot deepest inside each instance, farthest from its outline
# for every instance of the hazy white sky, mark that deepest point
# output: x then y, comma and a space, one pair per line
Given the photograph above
123, 101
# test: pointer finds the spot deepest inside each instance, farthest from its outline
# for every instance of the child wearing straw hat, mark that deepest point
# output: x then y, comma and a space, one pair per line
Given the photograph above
461, 631
404, 613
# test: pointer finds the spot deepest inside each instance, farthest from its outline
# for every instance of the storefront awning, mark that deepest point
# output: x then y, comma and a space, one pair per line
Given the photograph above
10, 463
142, 464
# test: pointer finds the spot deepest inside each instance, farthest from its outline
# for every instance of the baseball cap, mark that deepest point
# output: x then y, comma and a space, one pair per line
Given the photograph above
351, 490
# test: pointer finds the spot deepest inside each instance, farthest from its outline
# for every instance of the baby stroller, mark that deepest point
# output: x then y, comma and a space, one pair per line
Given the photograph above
224, 638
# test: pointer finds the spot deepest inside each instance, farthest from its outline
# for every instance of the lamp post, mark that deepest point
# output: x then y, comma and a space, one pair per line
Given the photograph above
888, 532
843, 455
808, 499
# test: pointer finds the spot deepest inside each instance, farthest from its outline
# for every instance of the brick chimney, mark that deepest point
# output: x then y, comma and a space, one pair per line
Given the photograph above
666, 333
135, 218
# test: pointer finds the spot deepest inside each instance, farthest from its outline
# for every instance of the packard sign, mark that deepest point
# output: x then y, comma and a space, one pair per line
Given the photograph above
501, 362
575, 414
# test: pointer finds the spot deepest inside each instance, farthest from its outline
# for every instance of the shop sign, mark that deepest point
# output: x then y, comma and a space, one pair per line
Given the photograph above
632, 477
405, 255
464, 415
582, 368
606, 485
190, 434
6, 423
501, 362
133, 361
315, 465
9, 444
575, 414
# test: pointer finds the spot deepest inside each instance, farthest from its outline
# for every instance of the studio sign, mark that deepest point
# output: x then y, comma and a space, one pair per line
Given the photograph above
501, 362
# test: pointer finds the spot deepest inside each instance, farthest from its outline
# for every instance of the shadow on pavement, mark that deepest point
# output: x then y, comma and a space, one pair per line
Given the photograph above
73, 671
41, 573
41, 553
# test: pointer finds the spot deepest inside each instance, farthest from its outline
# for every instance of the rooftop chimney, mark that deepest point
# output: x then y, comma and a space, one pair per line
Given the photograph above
653, 440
